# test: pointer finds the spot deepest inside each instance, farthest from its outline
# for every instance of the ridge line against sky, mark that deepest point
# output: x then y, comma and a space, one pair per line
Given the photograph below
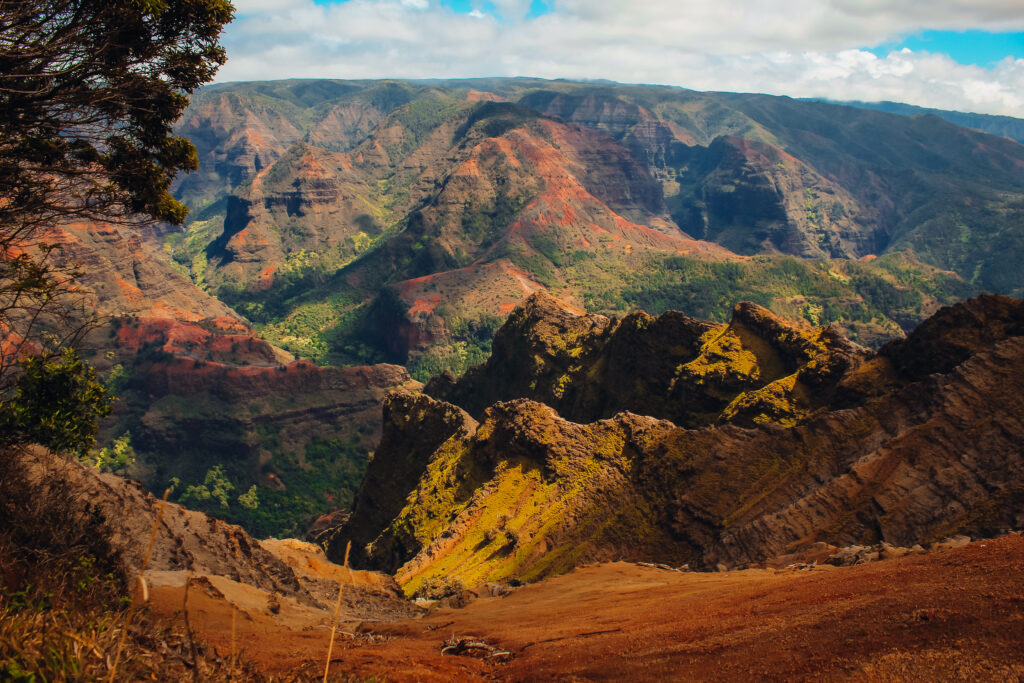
965, 55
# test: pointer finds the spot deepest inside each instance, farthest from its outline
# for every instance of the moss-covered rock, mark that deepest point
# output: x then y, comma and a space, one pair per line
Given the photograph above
836, 446
671, 366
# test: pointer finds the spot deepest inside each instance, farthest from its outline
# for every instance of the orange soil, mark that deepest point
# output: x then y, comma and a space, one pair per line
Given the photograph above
949, 614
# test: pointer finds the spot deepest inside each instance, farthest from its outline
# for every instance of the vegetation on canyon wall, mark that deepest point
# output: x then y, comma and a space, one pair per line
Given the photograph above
360, 222
774, 437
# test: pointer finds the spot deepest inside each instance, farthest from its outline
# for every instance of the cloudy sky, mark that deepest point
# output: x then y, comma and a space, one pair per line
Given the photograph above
966, 55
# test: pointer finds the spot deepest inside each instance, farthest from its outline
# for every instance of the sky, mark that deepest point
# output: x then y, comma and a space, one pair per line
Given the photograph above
965, 55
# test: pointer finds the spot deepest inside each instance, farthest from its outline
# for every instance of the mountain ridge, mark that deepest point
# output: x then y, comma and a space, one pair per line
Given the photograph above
993, 124
850, 458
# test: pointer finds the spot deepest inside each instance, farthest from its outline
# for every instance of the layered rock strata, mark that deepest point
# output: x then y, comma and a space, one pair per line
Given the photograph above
884, 452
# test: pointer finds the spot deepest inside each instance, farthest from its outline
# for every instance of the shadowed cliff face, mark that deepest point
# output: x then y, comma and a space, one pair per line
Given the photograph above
878, 450
758, 368
194, 396
416, 427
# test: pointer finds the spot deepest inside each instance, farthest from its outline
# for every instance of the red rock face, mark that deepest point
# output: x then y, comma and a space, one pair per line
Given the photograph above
225, 341
187, 377
573, 184
235, 140
124, 275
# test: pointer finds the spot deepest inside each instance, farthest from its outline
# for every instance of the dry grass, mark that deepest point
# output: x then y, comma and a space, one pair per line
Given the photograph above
334, 618
65, 610
54, 638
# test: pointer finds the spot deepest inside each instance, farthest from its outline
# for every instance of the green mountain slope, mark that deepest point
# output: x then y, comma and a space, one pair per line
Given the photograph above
359, 221
1004, 126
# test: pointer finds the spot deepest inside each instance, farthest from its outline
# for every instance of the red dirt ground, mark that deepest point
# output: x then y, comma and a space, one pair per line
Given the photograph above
954, 614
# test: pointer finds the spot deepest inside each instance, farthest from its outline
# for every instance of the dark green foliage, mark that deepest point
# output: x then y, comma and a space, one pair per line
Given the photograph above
57, 402
484, 225
117, 457
90, 91
325, 478
494, 119
366, 223
366, 334
890, 288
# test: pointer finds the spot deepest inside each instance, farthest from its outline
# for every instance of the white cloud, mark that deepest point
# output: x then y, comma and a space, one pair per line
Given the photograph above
800, 48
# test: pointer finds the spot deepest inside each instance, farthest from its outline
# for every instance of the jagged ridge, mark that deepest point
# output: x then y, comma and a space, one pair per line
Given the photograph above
890, 453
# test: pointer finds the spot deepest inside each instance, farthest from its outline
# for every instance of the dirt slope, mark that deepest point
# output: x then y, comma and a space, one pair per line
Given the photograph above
949, 615
190, 545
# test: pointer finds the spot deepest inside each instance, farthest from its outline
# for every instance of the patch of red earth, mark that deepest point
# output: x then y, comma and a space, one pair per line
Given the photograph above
424, 306
226, 325
246, 239
130, 292
483, 96
502, 147
949, 614
868, 258
161, 309
230, 341
13, 344
490, 286
470, 167
564, 199
310, 167
681, 133
955, 613
266, 277
406, 287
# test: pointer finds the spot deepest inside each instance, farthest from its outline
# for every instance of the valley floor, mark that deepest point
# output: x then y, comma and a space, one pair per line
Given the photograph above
952, 614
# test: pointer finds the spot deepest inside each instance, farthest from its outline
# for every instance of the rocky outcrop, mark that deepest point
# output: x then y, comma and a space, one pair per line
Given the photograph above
954, 334
415, 428
189, 545
756, 369
538, 344
918, 459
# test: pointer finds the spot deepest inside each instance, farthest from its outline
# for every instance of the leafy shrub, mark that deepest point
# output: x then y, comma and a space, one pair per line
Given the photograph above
439, 588
57, 402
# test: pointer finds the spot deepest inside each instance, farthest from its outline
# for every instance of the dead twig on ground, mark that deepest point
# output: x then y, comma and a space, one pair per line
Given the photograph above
473, 647
337, 609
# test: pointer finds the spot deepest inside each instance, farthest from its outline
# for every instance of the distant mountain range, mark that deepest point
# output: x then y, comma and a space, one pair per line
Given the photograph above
365, 221
1005, 126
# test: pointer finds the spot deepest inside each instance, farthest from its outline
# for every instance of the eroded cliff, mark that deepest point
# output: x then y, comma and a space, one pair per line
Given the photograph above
870, 447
